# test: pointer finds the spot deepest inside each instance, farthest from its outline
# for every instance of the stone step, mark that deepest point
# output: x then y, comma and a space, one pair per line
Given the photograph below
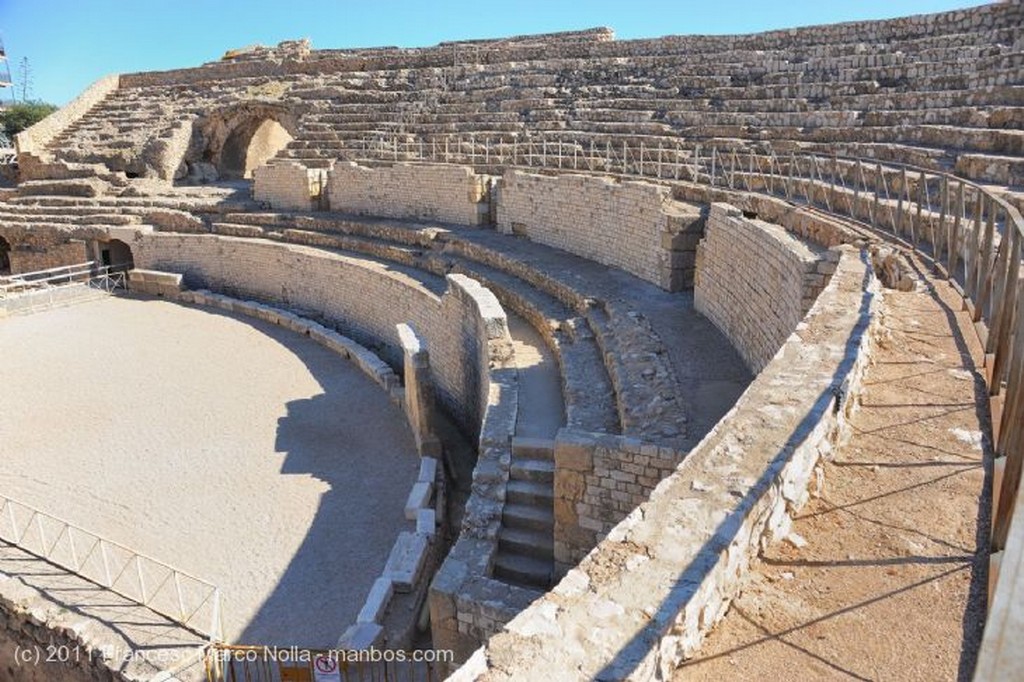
523, 570
528, 517
524, 542
538, 471
76, 219
542, 449
532, 493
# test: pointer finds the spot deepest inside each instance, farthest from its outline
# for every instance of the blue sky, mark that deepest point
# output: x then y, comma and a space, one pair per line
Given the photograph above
71, 43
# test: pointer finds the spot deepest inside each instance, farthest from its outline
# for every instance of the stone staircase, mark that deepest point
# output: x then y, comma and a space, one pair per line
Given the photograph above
526, 540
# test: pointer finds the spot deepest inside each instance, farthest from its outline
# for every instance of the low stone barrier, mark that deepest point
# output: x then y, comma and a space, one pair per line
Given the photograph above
642, 599
154, 282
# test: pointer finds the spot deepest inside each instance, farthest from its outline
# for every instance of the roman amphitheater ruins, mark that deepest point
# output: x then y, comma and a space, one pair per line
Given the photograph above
548, 351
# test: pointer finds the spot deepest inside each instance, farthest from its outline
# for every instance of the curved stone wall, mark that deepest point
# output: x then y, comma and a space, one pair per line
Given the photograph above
346, 291
756, 281
642, 600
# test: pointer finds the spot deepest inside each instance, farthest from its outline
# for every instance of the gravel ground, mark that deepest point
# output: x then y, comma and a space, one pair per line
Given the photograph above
244, 454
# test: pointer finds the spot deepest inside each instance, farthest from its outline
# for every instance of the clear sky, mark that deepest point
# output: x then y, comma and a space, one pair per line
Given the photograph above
71, 43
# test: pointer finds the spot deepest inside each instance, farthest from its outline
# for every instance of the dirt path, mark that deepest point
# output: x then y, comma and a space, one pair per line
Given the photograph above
888, 586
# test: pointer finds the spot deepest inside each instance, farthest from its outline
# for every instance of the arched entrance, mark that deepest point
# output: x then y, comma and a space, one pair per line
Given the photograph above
231, 143
116, 254
247, 149
5, 257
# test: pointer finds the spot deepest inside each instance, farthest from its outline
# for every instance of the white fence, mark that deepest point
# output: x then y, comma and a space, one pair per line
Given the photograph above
44, 289
183, 598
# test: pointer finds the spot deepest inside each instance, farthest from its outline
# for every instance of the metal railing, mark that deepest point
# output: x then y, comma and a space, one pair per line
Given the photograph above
184, 599
44, 289
971, 234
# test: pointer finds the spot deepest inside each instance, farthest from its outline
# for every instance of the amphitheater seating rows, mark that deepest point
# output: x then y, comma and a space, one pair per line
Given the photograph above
804, 87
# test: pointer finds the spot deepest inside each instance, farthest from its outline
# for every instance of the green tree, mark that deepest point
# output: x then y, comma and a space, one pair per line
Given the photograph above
17, 117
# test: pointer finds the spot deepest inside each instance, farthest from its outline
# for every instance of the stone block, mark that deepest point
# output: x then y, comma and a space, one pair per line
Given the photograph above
574, 450
426, 522
362, 636
428, 470
376, 603
405, 563
419, 498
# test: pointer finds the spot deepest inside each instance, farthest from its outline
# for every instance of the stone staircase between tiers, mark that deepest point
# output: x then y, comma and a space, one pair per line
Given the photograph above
526, 540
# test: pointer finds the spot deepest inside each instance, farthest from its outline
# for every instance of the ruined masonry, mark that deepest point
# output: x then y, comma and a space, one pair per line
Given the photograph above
580, 254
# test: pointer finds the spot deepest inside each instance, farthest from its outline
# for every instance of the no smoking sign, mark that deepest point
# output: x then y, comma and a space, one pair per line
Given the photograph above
325, 669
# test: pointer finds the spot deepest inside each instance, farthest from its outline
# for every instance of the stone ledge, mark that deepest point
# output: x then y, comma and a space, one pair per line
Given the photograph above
644, 597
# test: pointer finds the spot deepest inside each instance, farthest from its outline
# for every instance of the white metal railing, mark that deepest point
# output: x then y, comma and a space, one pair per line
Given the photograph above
44, 289
183, 598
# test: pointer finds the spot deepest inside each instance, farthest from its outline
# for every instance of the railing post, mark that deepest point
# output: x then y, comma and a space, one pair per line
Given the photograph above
971, 250
953, 246
856, 190
1013, 442
916, 228
1002, 310
789, 176
985, 266
832, 180
876, 204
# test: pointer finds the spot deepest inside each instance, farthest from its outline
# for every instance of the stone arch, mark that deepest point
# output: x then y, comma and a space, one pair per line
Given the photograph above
231, 142
116, 254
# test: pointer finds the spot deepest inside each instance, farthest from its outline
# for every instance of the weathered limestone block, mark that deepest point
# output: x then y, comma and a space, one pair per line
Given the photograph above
419, 498
376, 601
450, 194
419, 393
406, 561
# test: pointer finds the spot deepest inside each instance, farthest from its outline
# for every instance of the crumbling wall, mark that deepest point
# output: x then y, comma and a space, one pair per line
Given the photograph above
448, 194
635, 226
756, 281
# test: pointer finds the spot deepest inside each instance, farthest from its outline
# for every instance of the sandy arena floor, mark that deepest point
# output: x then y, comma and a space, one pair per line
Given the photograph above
231, 449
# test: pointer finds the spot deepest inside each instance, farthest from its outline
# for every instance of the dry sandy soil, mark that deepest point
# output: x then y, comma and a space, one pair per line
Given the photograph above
239, 452
891, 582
